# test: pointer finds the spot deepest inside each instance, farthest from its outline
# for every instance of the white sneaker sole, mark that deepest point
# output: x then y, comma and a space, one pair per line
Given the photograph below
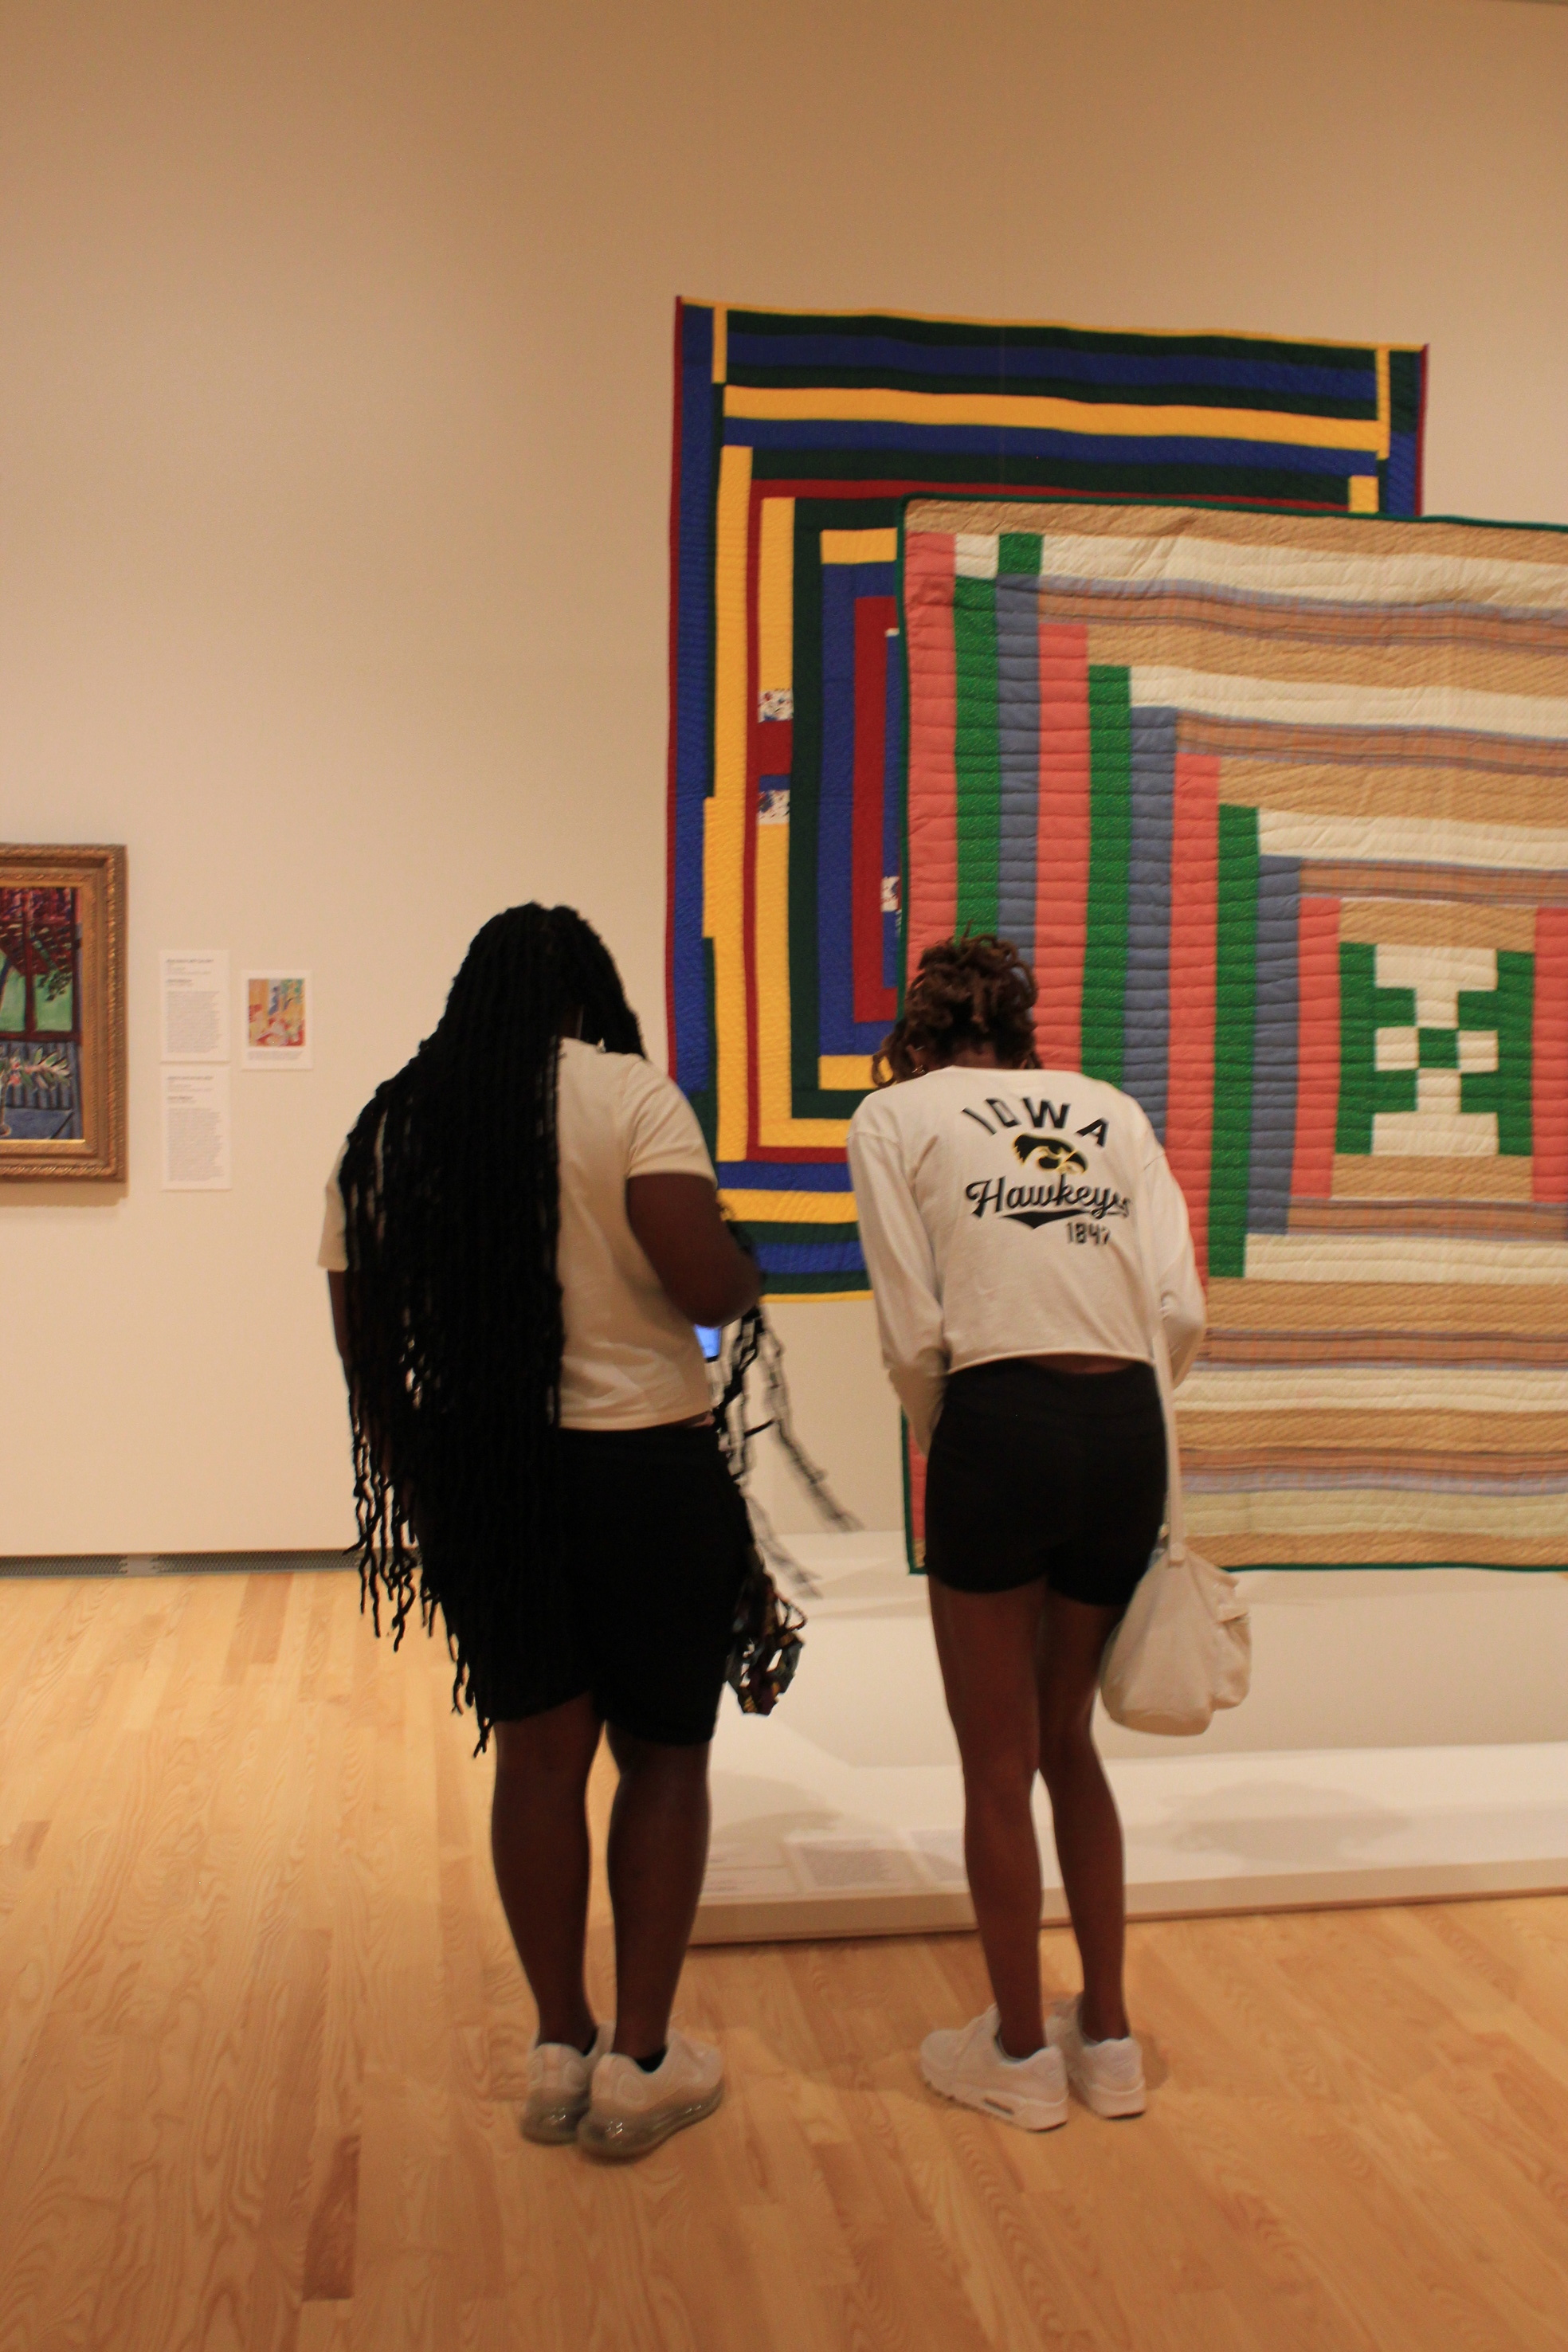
553, 2124
1028, 2114
615, 2139
1113, 2105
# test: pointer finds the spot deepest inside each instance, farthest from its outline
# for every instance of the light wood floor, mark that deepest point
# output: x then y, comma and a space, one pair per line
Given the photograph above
261, 2033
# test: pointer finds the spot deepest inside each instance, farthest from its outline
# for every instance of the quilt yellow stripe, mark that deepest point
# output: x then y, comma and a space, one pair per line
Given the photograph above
775, 597
860, 546
844, 1070
874, 404
792, 1207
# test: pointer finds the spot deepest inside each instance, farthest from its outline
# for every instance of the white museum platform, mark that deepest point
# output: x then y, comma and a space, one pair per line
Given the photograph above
1406, 1736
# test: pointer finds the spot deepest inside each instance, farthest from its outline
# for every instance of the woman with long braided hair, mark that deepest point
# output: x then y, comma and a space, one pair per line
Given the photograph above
522, 1232
1026, 1240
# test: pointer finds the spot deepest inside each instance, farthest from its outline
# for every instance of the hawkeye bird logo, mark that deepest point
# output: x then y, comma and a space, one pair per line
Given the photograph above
1050, 1152
1055, 1196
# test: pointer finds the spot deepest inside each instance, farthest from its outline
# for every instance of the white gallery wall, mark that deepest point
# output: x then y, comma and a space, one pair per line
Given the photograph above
334, 386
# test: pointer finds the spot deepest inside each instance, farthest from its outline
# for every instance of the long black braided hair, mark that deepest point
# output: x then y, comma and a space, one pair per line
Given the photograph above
451, 1191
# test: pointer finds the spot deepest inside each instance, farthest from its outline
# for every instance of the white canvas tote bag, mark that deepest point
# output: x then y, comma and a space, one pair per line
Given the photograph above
1184, 1648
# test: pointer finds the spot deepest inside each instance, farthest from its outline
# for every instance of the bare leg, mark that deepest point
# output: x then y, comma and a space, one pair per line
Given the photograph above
987, 1644
1088, 1827
657, 1849
539, 1842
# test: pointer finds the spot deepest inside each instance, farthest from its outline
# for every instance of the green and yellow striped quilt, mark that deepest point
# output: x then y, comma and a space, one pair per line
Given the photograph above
1277, 807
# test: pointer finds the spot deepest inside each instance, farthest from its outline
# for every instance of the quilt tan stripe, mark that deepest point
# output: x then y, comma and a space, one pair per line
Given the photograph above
1363, 1435
1353, 652
1478, 1348
1497, 1474
1379, 1546
1437, 923
1472, 1220
1329, 789
1437, 640
1460, 752
1404, 1348
1367, 1176
1362, 878
1378, 1307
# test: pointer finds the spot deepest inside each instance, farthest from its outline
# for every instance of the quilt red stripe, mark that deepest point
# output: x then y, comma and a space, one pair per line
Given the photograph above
933, 798
1061, 903
1195, 908
1549, 1056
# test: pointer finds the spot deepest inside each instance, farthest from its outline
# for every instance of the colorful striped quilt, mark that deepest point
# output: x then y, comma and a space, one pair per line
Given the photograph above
797, 440
1277, 806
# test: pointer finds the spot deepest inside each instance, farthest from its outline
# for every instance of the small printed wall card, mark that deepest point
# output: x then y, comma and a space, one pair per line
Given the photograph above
277, 1021
62, 1012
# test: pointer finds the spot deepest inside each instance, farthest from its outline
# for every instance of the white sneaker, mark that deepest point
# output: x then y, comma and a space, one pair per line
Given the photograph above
559, 2081
1108, 2074
968, 2066
630, 2111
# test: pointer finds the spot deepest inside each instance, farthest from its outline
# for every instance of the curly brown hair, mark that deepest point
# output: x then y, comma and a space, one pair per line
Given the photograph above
973, 990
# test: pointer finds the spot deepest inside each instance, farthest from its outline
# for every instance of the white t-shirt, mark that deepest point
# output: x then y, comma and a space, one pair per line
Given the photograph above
998, 1210
631, 1361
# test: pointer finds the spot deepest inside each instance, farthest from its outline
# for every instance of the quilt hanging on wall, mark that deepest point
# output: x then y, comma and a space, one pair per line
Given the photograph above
797, 440
1277, 805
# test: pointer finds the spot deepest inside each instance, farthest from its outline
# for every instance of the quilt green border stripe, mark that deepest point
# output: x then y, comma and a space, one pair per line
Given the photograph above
1235, 1012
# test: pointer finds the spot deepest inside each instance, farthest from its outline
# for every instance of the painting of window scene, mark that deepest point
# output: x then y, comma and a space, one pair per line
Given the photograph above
40, 1014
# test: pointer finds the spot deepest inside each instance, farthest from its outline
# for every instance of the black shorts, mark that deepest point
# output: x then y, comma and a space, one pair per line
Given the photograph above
656, 1550
1035, 1472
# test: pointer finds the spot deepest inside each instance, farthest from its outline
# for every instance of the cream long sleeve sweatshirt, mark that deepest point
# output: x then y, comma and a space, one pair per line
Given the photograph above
998, 1210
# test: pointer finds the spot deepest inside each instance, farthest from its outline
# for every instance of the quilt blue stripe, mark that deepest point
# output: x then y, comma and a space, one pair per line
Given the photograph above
783, 1176
1019, 363
1123, 450
693, 659
1146, 1069
812, 1257
1274, 1047
892, 808
1018, 720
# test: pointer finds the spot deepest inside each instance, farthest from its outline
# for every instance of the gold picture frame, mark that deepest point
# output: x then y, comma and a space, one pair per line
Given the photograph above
62, 1012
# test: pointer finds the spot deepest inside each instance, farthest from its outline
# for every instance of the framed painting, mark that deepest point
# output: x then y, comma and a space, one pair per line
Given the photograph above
62, 1012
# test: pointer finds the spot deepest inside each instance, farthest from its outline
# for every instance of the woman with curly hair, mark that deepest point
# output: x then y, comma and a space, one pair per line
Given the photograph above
520, 1233
1007, 1214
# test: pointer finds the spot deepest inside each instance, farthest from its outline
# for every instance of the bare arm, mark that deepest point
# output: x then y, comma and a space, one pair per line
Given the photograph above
677, 1221
1181, 1293
903, 1279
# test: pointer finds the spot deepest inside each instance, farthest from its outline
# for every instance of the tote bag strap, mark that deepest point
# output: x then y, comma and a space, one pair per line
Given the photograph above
1175, 1513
